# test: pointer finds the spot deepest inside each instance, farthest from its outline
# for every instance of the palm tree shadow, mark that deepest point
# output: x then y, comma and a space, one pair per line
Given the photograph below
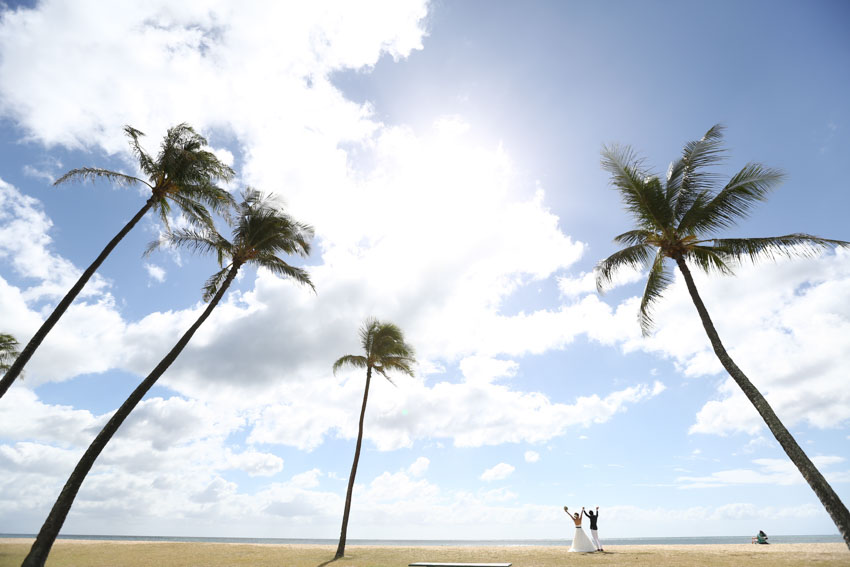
326, 563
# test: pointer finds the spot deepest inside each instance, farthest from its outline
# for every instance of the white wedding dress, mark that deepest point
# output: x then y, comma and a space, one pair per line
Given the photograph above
581, 543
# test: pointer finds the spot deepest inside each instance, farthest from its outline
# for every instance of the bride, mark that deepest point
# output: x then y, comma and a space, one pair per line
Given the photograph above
581, 543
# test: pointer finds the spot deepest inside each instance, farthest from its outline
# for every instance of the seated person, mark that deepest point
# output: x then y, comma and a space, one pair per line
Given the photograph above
761, 538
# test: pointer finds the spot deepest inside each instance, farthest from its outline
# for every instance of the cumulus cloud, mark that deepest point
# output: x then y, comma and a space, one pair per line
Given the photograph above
531, 456
498, 472
25, 244
277, 50
584, 283
419, 466
785, 323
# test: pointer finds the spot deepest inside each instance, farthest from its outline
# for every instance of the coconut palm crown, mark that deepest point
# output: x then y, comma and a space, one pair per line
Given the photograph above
183, 173
676, 219
385, 351
261, 234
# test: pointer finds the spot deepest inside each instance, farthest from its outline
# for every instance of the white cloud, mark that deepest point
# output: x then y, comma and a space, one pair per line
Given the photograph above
255, 463
786, 324
772, 472
479, 369
214, 49
32, 171
531, 456
585, 283
26, 246
419, 466
155, 272
498, 472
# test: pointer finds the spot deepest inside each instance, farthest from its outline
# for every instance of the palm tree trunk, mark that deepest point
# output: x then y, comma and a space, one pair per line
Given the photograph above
38, 337
340, 550
830, 500
47, 535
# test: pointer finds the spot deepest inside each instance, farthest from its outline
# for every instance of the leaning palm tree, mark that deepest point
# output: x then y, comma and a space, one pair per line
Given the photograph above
385, 351
183, 173
8, 351
675, 219
261, 233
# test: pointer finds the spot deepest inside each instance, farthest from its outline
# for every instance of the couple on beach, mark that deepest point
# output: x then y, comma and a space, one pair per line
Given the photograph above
580, 542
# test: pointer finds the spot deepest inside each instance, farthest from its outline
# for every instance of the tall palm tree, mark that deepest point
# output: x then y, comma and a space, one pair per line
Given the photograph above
385, 351
675, 219
8, 351
261, 233
183, 173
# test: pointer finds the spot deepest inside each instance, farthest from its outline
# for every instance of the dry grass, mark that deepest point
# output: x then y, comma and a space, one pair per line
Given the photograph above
70, 553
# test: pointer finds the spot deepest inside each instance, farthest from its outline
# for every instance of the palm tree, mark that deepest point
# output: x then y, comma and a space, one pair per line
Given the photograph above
261, 233
8, 351
183, 173
675, 219
385, 351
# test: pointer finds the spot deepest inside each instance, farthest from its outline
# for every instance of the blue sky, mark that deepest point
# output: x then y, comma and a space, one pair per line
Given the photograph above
448, 156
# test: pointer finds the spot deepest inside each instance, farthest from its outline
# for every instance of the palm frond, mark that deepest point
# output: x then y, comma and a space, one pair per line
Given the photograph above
368, 331
94, 173
399, 363
193, 209
184, 161
263, 226
280, 268
789, 245
695, 213
146, 163
687, 175
213, 283
203, 241
637, 256
641, 192
749, 186
351, 360
385, 347
8, 351
658, 280
215, 198
711, 259
634, 237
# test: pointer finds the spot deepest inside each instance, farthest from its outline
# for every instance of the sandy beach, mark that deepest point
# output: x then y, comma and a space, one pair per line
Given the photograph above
154, 554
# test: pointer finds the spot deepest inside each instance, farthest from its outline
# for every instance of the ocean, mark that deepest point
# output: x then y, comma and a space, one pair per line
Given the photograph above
836, 538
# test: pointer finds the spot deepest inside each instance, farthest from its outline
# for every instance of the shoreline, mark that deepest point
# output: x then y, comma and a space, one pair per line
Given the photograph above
544, 542
97, 553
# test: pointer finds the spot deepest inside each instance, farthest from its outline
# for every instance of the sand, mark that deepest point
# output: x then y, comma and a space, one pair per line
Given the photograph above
84, 553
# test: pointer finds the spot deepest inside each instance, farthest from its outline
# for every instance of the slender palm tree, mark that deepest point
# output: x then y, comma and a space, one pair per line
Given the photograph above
385, 351
675, 219
261, 233
183, 173
8, 351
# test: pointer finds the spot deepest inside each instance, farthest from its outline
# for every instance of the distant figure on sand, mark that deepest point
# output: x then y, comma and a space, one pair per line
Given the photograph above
594, 533
580, 542
761, 538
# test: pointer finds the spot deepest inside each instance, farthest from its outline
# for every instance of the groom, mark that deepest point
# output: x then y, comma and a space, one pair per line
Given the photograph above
594, 534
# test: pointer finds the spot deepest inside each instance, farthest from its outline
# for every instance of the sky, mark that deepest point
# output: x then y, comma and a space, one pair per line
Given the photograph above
448, 156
